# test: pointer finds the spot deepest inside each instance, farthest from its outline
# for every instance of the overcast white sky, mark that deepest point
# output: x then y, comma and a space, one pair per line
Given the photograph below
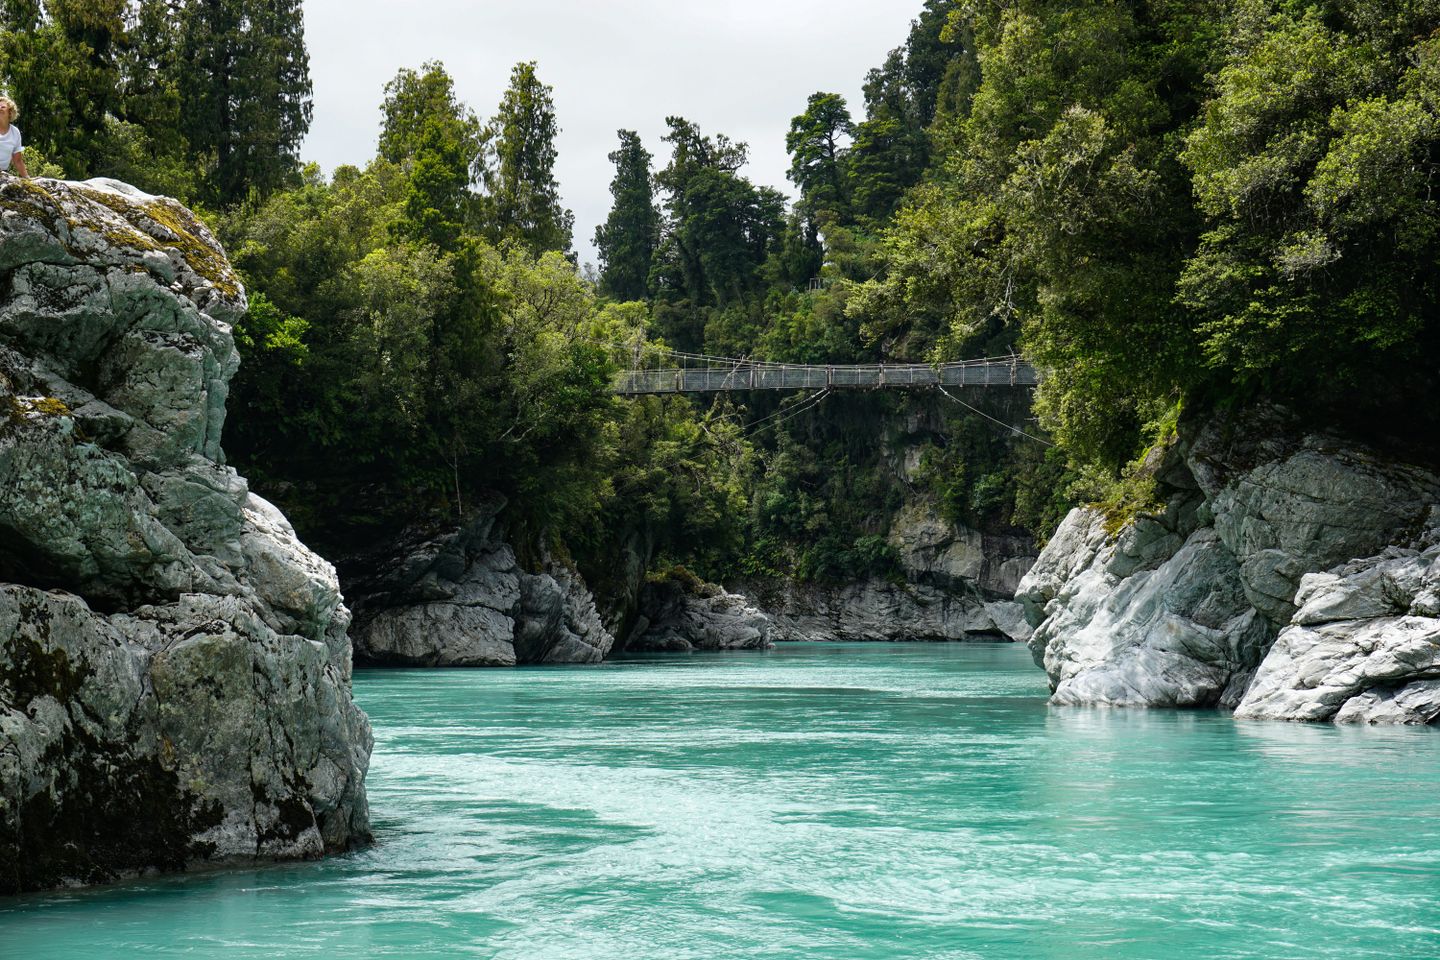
742, 67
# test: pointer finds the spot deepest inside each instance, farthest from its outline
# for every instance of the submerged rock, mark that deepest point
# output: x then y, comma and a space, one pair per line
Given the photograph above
174, 663
1243, 594
459, 598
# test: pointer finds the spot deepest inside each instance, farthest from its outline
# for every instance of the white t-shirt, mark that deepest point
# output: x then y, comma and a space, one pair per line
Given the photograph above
9, 146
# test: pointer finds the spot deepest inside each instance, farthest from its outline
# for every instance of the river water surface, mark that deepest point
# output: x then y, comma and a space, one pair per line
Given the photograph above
818, 801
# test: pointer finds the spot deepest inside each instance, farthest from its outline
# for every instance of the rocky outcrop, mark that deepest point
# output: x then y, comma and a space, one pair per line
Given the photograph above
682, 613
1154, 617
1243, 592
174, 663
1285, 510
952, 584
458, 598
1363, 645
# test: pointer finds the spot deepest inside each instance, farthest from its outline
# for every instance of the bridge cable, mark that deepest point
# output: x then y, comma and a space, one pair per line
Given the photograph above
1007, 426
805, 405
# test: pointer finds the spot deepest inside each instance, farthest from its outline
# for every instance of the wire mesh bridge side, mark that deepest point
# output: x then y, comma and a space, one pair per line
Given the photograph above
774, 376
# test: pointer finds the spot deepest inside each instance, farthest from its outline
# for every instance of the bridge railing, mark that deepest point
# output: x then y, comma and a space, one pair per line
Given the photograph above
770, 376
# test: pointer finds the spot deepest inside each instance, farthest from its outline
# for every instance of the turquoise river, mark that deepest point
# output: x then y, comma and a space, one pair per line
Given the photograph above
817, 801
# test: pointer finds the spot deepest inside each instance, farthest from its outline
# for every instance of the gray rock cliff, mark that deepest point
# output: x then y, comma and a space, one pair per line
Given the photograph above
1363, 645
881, 611
1291, 575
174, 663
955, 584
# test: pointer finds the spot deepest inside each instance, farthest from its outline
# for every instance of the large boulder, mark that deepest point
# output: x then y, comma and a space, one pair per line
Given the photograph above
1363, 645
1154, 617
1285, 509
1246, 591
174, 663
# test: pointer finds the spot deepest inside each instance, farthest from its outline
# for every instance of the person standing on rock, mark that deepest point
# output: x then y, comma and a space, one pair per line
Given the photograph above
11, 147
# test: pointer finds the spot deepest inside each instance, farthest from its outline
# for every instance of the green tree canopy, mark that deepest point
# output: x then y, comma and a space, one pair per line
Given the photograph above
245, 90
436, 138
721, 228
60, 62
1313, 165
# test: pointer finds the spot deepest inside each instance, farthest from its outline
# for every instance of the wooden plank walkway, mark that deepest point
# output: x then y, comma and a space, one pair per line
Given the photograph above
773, 376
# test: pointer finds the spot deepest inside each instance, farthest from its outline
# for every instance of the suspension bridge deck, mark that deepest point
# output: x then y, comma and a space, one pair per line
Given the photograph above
777, 376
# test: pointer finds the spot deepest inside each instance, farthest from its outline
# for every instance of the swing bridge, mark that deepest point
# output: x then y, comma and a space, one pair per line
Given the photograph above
678, 373
701, 374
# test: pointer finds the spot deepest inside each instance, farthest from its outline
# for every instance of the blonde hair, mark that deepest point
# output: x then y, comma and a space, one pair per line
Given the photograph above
6, 102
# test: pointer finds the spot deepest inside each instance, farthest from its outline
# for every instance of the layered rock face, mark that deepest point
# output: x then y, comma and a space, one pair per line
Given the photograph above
459, 599
936, 552
679, 616
881, 611
174, 663
1246, 590
1156, 616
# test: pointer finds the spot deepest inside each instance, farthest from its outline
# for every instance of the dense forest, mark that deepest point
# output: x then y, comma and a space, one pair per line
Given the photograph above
1169, 206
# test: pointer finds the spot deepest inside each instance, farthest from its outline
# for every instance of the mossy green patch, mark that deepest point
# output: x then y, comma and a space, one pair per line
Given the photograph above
50, 406
676, 573
16, 410
182, 232
28, 199
32, 187
153, 224
1136, 491
1131, 496
35, 671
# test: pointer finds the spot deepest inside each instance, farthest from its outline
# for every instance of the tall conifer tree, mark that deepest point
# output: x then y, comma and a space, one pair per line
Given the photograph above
246, 98
628, 238
816, 154
428, 129
150, 73
524, 195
